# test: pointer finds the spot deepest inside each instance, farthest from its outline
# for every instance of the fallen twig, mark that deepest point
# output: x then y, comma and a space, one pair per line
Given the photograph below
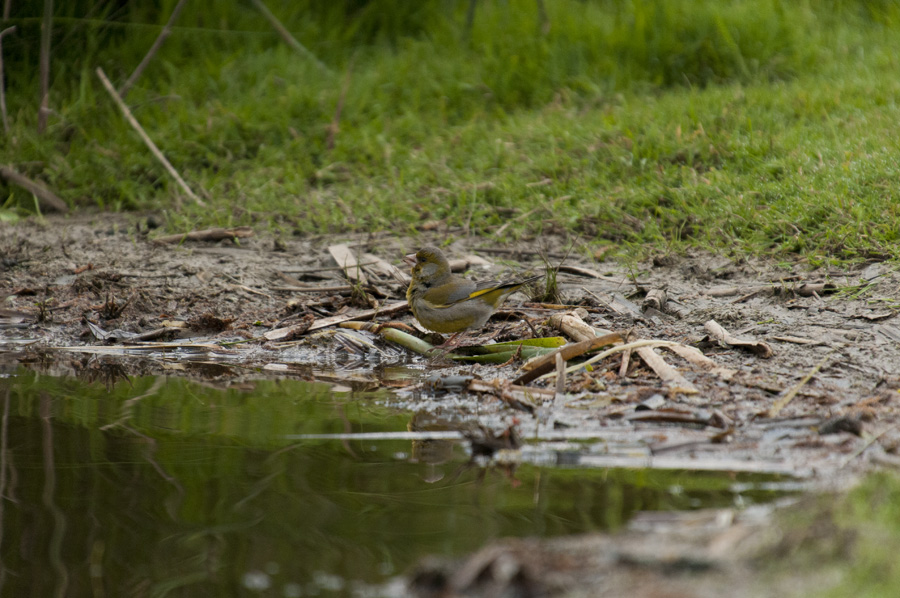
806, 289
546, 363
560, 375
676, 417
717, 332
304, 289
3, 34
378, 267
626, 362
517, 397
348, 263
732, 291
46, 36
617, 349
696, 357
287, 37
166, 31
209, 234
868, 443
252, 291
125, 349
386, 310
789, 395
574, 327
668, 374
146, 138
797, 340
47, 200
289, 333
335, 125
655, 299
579, 271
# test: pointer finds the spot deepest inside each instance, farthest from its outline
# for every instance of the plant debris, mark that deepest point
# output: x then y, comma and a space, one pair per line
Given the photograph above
806, 374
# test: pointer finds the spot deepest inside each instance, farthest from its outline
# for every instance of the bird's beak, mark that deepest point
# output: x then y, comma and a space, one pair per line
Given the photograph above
410, 260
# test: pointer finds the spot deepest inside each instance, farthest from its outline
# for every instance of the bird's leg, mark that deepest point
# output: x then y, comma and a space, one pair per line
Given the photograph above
449, 344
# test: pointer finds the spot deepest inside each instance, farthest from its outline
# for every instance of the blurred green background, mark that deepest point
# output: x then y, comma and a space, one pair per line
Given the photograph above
765, 126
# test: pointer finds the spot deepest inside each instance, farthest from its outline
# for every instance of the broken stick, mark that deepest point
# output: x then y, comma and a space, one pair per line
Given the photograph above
4, 33
146, 138
778, 405
46, 35
287, 37
545, 363
666, 373
348, 262
47, 200
209, 234
575, 328
166, 31
717, 332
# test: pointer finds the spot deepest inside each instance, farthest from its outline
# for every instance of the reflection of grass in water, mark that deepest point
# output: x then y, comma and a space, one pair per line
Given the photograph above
868, 525
850, 539
208, 490
258, 413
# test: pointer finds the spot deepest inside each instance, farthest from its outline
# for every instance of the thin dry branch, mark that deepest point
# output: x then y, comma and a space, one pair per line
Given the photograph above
47, 200
346, 259
46, 30
560, 375
209, 234
149, 142
522, 398
166, 31
386, 310
780, 404
539, 366
717, 332
668, 374
3, 34
335, 125
696, 357
587, 272
543, 19
575, 328
287, 37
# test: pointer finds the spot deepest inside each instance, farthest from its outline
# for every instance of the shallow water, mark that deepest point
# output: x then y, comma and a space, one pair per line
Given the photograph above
161, 486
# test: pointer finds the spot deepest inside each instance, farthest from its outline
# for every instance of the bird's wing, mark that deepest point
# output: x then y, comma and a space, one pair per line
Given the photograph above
506, 286
462, 289
465, 289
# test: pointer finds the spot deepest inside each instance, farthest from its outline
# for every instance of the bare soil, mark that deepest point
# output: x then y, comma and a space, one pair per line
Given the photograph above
90, 283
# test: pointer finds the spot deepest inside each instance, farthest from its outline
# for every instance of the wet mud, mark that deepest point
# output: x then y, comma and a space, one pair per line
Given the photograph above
806, 382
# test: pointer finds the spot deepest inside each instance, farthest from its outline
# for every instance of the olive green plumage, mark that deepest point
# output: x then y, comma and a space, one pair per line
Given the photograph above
444, 302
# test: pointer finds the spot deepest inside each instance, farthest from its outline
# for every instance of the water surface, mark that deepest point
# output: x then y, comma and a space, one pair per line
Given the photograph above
161, 486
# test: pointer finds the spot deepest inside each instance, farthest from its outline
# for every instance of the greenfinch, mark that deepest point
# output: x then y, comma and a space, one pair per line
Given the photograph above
444, 302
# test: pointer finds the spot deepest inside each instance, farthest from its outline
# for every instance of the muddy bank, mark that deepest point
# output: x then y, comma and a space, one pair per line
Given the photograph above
804, 382
99, 281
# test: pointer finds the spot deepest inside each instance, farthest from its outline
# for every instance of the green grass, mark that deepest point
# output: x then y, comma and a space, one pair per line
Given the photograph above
764, 127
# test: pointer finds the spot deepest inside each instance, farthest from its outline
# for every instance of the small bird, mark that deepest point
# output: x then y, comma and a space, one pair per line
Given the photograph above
444, 302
